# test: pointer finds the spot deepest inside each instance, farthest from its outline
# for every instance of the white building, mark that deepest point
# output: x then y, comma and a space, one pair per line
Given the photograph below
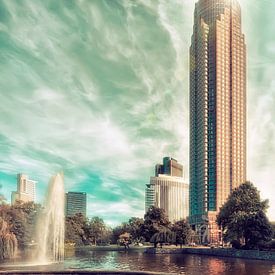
171, 194
25, 189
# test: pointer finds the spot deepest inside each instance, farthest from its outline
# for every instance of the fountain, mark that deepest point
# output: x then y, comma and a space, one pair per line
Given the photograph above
50, 226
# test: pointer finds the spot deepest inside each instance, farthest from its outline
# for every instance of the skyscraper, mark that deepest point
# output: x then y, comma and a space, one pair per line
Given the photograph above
217, 111
75, 203
169, 193
25, 189
168, 190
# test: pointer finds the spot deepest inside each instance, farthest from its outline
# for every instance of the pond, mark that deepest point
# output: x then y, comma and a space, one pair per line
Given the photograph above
138, 261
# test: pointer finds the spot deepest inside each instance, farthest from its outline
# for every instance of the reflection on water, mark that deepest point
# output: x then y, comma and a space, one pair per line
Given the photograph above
137, 260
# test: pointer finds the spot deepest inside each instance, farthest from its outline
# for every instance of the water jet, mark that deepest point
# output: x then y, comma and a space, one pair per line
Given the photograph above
51, 222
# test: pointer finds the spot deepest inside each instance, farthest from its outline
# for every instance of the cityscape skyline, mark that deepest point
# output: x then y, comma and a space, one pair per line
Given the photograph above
59, 114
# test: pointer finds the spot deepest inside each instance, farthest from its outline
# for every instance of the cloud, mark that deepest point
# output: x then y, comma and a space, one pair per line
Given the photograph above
99, 90
258, 24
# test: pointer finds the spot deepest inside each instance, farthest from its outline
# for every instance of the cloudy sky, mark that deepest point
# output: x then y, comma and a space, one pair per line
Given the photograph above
99, 90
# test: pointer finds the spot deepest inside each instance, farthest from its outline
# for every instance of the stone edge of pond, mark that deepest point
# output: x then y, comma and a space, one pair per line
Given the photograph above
108, 248
221, 252
83, 272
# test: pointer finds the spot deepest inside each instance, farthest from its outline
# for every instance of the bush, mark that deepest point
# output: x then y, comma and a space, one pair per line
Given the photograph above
271, 245
236, 244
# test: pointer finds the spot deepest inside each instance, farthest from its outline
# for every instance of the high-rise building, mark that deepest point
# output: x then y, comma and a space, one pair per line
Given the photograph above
168, 190
217, 111
169, 193
75, 203
149, 196
169, 167
25, 189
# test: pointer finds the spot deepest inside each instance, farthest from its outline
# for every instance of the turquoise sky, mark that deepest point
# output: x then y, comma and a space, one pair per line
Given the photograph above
99, 89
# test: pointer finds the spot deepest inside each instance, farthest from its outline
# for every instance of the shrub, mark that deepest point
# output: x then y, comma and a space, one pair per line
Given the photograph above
236, 244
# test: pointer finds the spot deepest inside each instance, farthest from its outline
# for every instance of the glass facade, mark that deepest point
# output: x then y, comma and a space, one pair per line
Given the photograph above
217, 108
169, 167
75, 203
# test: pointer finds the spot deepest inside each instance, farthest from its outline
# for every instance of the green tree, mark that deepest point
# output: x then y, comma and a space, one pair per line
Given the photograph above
236, 216
135, 226
8, 241
107, 235
125, 239
75, 227
119, 230
257, 230
21, 219
97, 230
164, 235
155, 220
273, 228
2, 198
182, 232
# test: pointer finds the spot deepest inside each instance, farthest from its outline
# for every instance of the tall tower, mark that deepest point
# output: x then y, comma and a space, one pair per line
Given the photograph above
217, 111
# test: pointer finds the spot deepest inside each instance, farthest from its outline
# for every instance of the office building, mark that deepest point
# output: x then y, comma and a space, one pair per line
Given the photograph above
168, 191
169, 167
75, 203
149, 196
26, 189
217, 111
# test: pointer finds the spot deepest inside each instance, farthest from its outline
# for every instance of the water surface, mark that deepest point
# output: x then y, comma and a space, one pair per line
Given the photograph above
137, 260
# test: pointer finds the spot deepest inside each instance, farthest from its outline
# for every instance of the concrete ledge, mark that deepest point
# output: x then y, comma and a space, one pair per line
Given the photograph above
221, 252
82, 272
108, 248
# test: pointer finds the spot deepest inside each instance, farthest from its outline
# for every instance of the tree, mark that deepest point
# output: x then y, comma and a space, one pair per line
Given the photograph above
257, 230
82, 231
273, 228
97, 229
125, 239
182, 232
2, 198
237, 217
118, 230
8, 241
75, 229
164, 235
135, 226
21, 219
106, 235
154, 221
